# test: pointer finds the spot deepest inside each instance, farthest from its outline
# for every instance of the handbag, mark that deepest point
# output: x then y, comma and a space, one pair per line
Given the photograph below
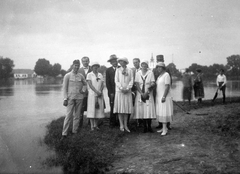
96, 103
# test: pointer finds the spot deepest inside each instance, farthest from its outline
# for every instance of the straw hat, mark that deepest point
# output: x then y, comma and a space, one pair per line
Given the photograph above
95, 64
123, 59
161, 64
144, 61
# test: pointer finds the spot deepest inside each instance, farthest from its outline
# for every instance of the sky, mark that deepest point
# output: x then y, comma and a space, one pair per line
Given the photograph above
184, 31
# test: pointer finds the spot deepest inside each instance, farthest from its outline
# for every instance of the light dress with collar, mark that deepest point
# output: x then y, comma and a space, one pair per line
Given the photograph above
144, 110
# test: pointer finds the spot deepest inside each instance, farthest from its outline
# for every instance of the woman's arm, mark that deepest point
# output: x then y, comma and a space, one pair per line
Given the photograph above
117, 79
167, 87
92, 87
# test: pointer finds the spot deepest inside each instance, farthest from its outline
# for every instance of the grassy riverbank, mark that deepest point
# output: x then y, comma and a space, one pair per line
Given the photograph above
204, 129
85, 152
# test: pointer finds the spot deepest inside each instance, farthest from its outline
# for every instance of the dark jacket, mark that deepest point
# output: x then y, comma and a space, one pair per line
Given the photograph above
110, 83
81, 70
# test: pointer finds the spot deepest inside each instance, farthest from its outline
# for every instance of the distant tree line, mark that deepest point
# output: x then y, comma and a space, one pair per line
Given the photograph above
6, 67
232, 69
44, 68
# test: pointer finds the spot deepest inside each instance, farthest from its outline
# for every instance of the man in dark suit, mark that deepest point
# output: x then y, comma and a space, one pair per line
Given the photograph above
84, 71
156, 73
110, 83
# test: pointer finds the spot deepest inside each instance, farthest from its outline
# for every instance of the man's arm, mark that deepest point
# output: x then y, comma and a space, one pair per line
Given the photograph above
65, 86
108, 84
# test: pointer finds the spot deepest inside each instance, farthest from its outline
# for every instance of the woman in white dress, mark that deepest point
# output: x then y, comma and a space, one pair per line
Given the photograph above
123, 97
144, 102
95, 107
164, 103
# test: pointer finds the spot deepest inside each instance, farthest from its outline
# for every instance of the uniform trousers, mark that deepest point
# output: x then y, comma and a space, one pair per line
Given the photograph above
73, 114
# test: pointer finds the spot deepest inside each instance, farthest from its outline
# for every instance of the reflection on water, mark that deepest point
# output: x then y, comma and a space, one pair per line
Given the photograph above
6, 91
23, 117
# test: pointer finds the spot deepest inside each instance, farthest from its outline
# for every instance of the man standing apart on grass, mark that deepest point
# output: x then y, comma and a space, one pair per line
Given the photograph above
73, 83
221, 84
84, 71
110, 84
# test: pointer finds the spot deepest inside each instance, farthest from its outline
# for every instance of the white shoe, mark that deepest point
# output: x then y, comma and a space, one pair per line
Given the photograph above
164, 133
159, 131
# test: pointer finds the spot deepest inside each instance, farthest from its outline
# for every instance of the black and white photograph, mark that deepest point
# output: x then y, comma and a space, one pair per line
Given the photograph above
119, 86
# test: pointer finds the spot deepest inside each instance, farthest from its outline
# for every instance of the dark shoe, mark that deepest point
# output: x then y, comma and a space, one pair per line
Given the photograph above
127, 130
168, 126
63, 137
150, 130
145, 130
96, 128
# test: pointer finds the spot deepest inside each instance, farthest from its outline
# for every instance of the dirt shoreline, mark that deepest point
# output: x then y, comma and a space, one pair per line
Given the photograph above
204, 141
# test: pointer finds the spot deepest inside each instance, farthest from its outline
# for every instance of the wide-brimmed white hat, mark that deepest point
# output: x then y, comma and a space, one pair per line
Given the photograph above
161, 64
145, 61
95, 64
123, 59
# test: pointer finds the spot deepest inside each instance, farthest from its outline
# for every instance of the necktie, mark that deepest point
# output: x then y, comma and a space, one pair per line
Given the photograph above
143, 89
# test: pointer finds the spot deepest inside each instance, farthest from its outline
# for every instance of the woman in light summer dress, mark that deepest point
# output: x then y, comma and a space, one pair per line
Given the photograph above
164, 103
144, 102
95, 107
123, 97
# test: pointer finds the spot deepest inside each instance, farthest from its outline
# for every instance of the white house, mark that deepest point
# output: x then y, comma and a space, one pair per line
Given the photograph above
23, 73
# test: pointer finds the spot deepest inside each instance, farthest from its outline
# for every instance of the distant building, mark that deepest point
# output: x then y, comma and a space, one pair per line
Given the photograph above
23, 73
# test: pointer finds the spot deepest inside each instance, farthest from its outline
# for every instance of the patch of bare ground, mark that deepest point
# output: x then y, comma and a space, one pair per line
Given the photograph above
205, 141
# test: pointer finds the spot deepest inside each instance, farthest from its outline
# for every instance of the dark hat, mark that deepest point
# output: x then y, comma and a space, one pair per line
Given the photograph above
76, 62
199, 70
160, 58
112, 57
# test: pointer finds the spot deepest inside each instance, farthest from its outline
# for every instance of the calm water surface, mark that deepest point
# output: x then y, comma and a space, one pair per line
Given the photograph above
27, 106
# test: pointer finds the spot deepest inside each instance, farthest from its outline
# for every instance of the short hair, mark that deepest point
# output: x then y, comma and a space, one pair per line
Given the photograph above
76, 62
222, 70
85, 57
136, 59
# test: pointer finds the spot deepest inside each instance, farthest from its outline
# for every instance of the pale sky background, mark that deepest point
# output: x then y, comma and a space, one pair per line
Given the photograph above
184, 31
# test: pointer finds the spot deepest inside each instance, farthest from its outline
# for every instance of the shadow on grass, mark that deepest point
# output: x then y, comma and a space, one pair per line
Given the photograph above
85, 152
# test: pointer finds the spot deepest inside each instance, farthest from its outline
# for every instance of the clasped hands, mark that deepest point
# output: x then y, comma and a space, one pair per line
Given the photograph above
124, 90
99, 94
144, 95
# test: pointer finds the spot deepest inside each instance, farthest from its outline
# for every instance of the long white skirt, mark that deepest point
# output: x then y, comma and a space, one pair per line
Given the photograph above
123, 103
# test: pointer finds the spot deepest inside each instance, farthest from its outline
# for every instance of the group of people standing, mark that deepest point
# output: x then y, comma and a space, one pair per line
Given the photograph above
140, 93
131, 93
196, 84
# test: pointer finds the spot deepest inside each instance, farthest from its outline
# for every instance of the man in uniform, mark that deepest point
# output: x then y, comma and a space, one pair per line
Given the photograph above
73, 83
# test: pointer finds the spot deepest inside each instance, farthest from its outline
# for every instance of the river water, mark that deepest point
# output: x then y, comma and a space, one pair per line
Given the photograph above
27, 106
